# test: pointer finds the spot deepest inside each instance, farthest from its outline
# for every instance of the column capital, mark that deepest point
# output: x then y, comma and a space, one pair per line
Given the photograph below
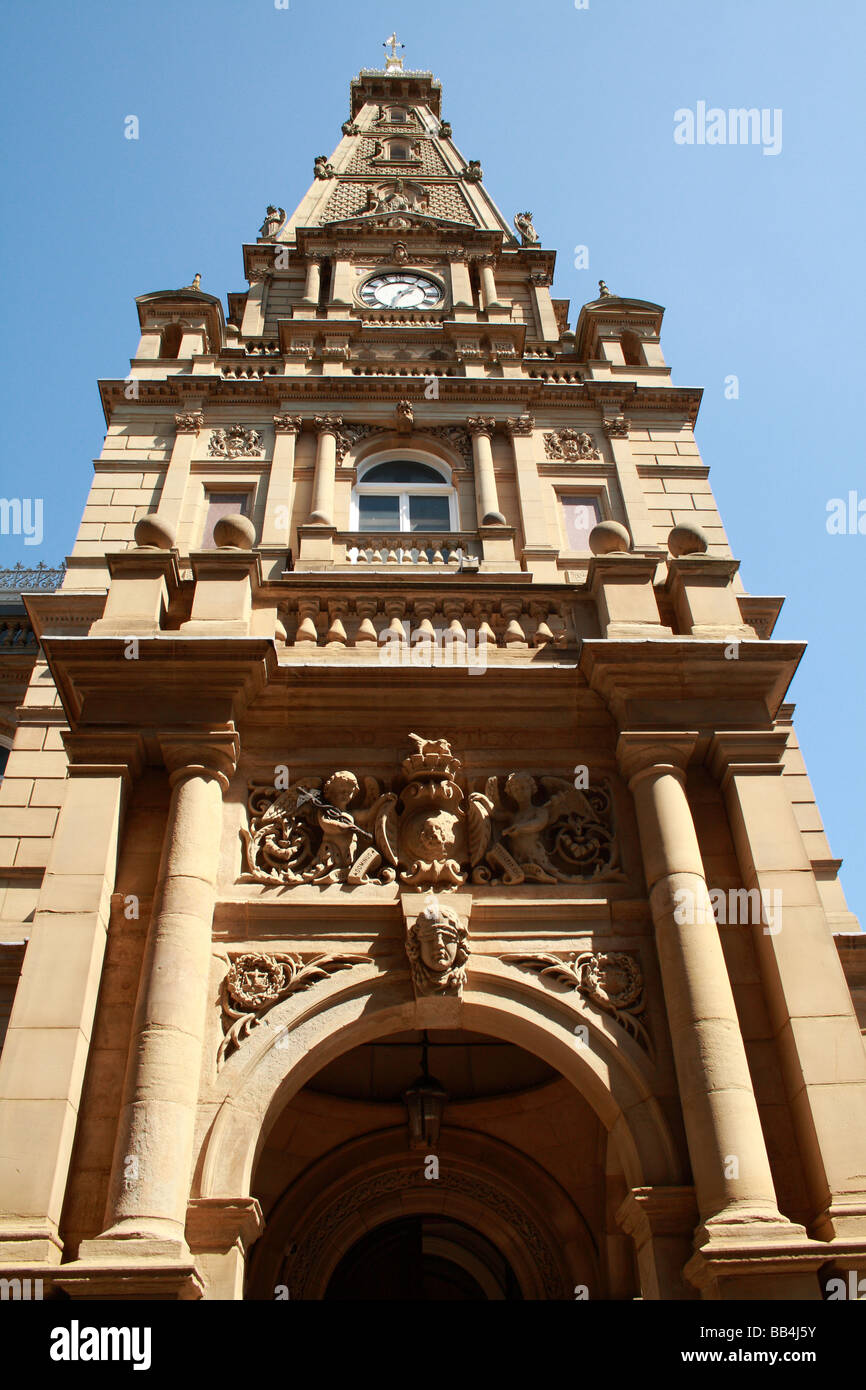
520, 425
104, 753
189, 422
200, 753
616, 426
639, 752
218, 1223
327, 424
658, 1211
755, 752
288, 424
481, 425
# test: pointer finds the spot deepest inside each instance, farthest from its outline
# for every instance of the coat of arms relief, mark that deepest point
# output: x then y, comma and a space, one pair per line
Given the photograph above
429, 829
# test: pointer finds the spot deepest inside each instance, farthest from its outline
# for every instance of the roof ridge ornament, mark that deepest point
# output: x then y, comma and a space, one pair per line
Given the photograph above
393, 62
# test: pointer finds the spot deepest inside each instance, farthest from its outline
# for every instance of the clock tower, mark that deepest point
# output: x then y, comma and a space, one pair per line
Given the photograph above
421, 882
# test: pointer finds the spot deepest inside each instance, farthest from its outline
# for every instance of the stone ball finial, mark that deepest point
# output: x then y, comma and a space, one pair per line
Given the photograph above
234, 532
153, 533
687, 539
608, 537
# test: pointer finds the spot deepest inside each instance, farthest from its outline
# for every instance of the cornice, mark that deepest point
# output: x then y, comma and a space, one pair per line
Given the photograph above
175, 393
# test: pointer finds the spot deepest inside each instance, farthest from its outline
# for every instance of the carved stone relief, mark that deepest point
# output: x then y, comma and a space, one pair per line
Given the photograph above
429, 832
256, 982
571, 445
235, 442
611, 980
438, 949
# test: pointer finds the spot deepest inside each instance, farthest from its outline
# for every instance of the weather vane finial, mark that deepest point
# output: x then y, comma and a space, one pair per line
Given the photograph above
392, 60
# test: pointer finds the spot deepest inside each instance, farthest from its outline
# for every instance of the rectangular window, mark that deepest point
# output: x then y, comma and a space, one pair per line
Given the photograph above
429, 514
379, 513
580, 514
222, 504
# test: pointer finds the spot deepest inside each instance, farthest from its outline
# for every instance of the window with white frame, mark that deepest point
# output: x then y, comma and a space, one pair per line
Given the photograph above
401, 494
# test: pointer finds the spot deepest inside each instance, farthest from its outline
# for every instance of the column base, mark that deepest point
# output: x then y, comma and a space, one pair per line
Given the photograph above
29, 1245
756, 1260
144, 1280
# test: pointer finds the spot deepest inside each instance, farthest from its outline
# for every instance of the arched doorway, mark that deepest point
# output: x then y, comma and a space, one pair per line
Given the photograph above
423, 1258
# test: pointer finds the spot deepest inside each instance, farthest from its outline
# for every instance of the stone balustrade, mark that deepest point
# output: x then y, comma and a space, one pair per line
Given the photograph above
369, 620
442, 550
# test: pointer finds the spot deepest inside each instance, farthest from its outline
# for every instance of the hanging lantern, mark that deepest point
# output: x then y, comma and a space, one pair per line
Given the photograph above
425, 1101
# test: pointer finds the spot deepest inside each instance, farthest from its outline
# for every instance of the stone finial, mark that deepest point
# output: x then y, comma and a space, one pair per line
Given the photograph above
153, 533
234, 532
603, 291
608, 537
687, 539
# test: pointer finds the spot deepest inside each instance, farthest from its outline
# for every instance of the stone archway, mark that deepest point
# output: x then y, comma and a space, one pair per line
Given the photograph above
483, 1184
306, 1032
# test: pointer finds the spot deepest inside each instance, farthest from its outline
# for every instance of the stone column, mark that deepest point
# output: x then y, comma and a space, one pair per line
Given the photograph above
326, 469
177, 475
733, 1182
313, 282
46, 1049
488, 283
276, 528
481, 428
153, 1154
816, 1031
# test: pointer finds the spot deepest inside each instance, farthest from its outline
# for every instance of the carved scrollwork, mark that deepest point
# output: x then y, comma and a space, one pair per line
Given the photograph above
235, 442
571, 445
611, 980
256, 982
429, 832
617, 427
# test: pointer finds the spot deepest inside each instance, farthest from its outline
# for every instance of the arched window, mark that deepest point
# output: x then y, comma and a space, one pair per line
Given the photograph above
404, 495
631, 349
172, 336
398, 115
398, 149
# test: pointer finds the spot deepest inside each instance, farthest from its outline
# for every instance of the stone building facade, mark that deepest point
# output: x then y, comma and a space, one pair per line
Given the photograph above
422, 889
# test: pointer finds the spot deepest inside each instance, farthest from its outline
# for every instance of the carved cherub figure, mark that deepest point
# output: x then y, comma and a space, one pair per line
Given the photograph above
524, 833
344, 830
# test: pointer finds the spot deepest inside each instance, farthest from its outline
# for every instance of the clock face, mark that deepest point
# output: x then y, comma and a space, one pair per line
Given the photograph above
401, 290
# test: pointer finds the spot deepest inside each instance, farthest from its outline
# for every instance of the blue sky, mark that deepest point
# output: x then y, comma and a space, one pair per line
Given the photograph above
758, 259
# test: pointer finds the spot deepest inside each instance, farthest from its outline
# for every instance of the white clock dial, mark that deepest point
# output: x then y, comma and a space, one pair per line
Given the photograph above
401, 290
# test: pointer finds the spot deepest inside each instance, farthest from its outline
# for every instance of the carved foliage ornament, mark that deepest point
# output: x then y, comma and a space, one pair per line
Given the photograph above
570, 445
617, 427
256, 982
611, 980
190, 422
235, 442
427, 831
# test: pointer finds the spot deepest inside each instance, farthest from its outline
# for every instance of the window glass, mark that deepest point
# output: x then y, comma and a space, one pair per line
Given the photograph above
429, 514
580, 515
379, 513
222, 504
400, 472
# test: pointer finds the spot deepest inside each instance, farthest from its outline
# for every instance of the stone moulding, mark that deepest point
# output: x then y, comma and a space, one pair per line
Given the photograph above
610, 980
256, 982
427, 831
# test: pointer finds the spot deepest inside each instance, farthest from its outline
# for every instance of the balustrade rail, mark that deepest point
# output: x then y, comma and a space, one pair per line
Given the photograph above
450, 550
